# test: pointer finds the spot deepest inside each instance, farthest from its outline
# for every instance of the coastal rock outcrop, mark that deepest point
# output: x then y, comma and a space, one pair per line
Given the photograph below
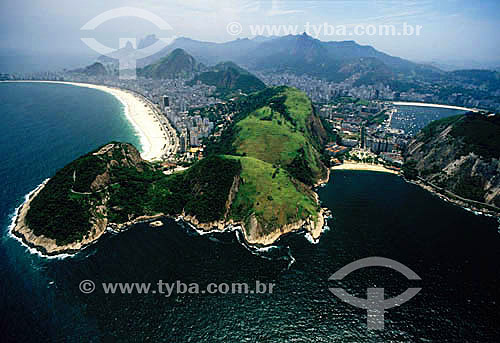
459, 157
259, 183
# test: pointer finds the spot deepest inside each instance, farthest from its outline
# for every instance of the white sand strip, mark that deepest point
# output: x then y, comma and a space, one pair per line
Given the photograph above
364, 166
423, 104
154, 140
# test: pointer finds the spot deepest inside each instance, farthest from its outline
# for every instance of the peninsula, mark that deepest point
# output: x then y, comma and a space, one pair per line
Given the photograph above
258, 175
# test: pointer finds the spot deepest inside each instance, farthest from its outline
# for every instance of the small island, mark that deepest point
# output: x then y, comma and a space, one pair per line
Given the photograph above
258, 175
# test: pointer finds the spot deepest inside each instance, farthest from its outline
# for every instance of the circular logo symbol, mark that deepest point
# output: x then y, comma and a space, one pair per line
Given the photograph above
87, 286
234, 28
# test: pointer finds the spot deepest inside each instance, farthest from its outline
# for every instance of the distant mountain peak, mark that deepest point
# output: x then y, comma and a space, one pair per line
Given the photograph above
228, 77
176, 64
179, 52
129, 45
95, 69
301, 54
147, 41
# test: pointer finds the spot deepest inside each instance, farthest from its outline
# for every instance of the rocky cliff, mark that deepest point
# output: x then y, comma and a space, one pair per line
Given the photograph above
459, 157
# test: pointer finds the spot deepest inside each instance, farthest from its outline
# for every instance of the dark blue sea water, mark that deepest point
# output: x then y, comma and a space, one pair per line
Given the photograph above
456, 253
413, 118
43, 127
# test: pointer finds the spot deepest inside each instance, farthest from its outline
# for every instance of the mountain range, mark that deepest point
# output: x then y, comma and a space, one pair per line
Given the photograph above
302, 54
227, 77
335, 61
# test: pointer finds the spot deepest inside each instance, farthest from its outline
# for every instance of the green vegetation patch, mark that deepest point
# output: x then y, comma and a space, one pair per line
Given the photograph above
208, 184
278, 134
377, 119
201, 191
271, 194
437, 127
86, 170
128, 193
481, 134
272, 141
59, 213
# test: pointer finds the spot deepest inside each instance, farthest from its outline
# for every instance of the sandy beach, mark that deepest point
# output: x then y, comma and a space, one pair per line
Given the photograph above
364, 166
154, 140
423, 104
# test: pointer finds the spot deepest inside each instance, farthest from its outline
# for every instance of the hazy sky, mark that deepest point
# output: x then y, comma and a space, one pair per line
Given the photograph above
451, 29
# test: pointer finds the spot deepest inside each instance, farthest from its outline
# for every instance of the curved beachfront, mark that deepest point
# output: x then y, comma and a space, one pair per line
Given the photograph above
155, 143
423, 104
364, 166
154, 139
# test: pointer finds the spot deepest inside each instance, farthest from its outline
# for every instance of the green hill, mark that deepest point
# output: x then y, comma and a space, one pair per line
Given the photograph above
229, 77
276, 137
177, 64
113, 183
277, 126
258, 174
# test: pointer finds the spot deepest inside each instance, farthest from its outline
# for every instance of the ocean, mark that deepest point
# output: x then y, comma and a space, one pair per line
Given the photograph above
456, 254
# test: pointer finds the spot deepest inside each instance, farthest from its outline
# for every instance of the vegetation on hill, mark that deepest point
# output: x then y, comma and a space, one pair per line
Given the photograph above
61, 210
177, 64
481, 134
228, 78
437, 126
269, 194
258, 173
125, 187
276, 143
274, 129
202, 191
56, 214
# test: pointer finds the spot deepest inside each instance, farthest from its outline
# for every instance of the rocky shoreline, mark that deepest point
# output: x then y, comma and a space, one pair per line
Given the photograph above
314, 228
466, 205
47, 247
